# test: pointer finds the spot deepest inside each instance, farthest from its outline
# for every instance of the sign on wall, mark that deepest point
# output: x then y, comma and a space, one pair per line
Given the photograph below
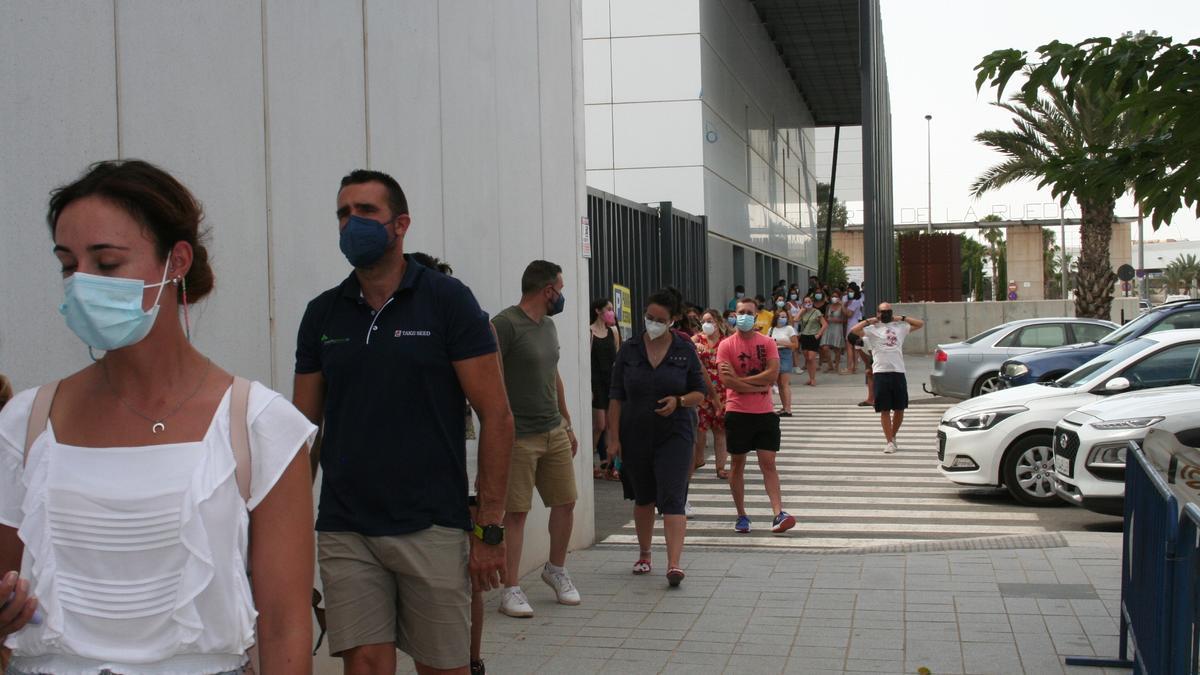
622, 307
854, 273
585, 238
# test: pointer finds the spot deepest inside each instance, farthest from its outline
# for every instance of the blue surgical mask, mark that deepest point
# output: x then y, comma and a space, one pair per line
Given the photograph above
817, 296
106, 312
779, 304
745, 322
781, 321
363, 241
739, 295
732, 321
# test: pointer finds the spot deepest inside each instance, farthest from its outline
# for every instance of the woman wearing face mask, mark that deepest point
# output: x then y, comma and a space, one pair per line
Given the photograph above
656, 379
852, 310
785, 339
833, 342
605, 341
712, 409
138, 520
812, 326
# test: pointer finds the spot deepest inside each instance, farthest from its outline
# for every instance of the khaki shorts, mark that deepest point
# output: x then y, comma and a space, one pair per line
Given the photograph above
412, 590
545, 461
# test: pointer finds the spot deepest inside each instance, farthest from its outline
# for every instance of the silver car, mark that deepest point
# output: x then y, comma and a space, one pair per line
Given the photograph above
972, 367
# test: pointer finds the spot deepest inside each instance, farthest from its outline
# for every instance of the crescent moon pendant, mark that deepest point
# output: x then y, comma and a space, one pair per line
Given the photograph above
158, 426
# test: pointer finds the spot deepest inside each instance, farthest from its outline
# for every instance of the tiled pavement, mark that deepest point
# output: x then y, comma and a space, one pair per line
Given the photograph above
979, 611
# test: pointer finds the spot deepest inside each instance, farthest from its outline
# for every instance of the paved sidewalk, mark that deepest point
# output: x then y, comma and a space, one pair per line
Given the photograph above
1019, 610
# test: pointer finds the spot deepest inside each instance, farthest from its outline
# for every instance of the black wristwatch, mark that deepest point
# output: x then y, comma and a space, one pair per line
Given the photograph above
491, 535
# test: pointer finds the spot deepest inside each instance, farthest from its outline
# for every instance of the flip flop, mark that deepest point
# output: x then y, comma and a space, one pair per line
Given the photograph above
864, 404
675, 577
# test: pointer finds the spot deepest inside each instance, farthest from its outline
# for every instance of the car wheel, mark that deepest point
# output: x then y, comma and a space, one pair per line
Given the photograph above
986, 385
1028, 469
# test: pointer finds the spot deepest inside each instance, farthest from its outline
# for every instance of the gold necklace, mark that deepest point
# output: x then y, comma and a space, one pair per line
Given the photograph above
158, 425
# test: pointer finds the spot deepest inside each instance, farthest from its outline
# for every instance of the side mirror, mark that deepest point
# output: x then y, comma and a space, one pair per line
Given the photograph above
1116, 385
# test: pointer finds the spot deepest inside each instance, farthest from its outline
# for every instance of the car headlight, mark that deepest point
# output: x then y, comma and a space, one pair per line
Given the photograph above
986, 419
1015, 369
1128, 423
1112, 456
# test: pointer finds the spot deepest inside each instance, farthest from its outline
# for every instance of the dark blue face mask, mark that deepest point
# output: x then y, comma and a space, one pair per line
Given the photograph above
558, 305
363, 241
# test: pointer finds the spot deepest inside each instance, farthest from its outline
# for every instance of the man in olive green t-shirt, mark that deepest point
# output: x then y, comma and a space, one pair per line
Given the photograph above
544, 449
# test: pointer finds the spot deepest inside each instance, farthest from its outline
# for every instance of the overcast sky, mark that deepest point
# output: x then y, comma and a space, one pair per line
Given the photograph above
932, 48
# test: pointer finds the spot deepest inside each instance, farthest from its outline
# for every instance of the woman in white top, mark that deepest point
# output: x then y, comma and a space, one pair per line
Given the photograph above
785, 339
125, 517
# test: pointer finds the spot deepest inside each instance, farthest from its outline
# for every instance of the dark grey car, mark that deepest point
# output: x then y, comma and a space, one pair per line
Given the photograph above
972, 367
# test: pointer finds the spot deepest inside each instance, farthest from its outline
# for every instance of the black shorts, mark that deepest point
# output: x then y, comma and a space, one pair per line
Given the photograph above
810, 343
751, 431
891, 391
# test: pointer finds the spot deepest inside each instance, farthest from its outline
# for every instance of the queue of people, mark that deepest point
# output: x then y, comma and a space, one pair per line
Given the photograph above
156, 510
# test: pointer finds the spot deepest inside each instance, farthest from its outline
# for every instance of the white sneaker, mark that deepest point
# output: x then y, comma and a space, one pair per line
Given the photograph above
514, 603
687, 509
563, 587
889, 448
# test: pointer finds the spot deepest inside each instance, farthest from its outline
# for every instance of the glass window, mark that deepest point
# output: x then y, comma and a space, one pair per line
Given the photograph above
977, 338
1043, 335
1089, 332
1119, 335
1094, 368
1170, 366
1188, 319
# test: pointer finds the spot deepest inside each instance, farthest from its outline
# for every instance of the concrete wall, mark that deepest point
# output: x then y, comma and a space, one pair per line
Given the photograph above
947, 322
260, 106
850, 243
1026, 261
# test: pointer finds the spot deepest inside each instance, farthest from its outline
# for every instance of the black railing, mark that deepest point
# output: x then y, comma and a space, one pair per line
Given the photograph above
645, 248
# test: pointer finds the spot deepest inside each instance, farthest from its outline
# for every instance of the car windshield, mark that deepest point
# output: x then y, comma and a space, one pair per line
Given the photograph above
977, 338
1092, 369
1121, 334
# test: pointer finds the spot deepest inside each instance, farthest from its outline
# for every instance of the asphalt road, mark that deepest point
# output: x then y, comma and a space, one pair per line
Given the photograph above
844, 492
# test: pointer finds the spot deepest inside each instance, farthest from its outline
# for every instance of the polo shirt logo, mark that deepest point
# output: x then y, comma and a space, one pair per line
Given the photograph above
413, 333
326, 340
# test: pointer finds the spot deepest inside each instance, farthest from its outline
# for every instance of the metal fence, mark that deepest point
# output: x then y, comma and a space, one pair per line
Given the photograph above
1185, 616
645, 248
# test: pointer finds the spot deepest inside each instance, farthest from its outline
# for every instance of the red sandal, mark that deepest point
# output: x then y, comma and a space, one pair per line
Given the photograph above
642, 566
675, 577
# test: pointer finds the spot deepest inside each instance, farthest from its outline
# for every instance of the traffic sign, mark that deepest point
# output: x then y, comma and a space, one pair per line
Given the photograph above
1012, 295
1125, 272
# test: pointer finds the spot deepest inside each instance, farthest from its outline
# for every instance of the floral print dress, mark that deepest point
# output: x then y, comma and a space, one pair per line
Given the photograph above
711, 416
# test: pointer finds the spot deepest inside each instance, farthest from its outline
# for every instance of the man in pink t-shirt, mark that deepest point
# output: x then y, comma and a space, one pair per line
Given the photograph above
749, 365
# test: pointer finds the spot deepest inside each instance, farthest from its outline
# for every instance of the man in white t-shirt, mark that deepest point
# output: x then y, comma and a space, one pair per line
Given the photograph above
884, 337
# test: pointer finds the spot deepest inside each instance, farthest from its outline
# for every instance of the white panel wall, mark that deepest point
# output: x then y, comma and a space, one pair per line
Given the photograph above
190, 90
58, 113
260, 106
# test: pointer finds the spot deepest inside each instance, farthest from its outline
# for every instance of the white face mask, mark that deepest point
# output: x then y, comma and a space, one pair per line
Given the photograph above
655, 329
708, 327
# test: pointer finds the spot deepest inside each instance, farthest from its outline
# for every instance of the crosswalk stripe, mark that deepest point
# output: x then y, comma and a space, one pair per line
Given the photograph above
950, 493
875, 528
771, 541
865, 513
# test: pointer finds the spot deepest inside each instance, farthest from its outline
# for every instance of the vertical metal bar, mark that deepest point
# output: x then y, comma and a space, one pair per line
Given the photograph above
837, 134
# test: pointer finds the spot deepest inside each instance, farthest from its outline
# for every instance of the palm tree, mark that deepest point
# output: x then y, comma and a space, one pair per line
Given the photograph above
1051, 127
1182, 270
994, 236
1050, 262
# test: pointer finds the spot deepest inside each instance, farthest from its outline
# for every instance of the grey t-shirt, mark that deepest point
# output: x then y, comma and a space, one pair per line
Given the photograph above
530, 354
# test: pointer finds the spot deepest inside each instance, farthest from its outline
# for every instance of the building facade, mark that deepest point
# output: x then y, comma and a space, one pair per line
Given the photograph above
689, 101
260, 107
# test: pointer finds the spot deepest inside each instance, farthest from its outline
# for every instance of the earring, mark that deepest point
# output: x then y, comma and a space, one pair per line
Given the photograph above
187, 323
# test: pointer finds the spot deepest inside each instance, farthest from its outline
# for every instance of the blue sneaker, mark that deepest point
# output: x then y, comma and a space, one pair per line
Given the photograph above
783, 522
743, 525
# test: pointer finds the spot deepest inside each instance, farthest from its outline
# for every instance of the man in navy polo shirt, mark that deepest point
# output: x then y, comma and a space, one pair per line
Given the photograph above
383, 362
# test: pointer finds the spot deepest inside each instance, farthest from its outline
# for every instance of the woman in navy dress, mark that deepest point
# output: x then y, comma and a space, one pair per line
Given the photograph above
657, 380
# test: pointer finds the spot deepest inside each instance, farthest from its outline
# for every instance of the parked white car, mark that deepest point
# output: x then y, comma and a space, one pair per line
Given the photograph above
1006, 437
1090, 443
